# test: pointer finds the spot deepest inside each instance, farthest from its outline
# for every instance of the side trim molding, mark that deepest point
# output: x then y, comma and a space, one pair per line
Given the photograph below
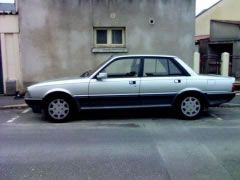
127, 107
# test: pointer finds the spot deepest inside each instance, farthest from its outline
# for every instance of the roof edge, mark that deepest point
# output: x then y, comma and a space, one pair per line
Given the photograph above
205, 10
226, 21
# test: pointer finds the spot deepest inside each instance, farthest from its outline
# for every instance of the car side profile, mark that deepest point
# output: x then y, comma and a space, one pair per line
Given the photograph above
132, 81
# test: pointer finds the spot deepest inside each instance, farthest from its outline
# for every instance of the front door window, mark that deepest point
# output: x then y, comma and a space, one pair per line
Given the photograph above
123, 68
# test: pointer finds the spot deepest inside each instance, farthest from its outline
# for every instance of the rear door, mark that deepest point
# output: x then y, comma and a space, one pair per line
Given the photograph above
162, 79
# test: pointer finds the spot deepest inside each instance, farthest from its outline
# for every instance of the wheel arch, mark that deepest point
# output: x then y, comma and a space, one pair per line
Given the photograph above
194, 92
60, 92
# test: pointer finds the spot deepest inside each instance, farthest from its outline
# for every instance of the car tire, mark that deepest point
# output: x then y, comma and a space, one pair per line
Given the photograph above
58, 109
190, 107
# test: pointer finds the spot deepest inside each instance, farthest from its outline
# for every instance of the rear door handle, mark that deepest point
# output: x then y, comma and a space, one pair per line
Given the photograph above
177, 81
132, 82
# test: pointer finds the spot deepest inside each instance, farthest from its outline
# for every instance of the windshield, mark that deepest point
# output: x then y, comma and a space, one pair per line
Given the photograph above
86, 73
91, 71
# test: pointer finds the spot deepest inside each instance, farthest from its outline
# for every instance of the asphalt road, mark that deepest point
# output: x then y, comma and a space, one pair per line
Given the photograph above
142, 144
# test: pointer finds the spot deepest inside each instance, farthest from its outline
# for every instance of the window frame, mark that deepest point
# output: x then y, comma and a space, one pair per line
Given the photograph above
141, 68
179, 67
109, 43
139, 73
125, 59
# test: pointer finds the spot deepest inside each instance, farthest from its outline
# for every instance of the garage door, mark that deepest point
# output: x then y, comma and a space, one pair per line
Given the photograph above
1, 72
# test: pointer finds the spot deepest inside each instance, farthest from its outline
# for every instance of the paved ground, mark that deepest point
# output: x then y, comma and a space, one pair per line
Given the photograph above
10, 100
122, 145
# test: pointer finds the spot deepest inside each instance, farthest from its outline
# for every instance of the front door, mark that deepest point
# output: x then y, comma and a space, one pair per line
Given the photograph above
120, 88
162, 79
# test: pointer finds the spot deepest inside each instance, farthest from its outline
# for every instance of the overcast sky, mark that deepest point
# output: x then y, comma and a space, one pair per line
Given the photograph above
7, 1
201, 4
204, 4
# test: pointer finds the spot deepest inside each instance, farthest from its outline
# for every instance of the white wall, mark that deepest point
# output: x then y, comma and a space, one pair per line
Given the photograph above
9, 34
9, 24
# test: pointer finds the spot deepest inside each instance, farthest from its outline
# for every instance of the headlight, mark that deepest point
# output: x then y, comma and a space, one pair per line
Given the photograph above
27, 94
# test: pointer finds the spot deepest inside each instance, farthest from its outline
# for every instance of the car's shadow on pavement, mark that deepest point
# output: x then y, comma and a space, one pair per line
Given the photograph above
130, 114
125, 115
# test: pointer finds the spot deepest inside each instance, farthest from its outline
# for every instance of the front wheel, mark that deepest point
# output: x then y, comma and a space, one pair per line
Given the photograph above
58, 109
190, 107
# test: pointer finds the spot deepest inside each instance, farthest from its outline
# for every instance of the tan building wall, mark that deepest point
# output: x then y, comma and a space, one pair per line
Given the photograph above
224, 10
9, 34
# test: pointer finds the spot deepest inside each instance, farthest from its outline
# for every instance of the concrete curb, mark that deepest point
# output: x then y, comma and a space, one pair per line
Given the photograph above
15, 106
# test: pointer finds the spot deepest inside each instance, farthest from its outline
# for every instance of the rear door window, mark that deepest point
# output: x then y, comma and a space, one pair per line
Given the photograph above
156, 67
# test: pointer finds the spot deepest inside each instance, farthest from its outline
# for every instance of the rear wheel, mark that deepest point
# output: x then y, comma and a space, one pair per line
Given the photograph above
58, 109
190, 107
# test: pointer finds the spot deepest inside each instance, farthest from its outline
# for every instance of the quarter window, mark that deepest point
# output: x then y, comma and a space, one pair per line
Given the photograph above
173, 70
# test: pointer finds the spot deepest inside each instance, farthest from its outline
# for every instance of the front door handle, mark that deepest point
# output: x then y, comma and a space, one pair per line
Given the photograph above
132, 82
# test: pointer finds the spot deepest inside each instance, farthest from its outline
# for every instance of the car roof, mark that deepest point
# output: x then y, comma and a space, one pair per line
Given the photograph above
143, 55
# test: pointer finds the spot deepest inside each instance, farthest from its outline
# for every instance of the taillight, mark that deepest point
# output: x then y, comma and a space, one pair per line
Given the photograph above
233, 87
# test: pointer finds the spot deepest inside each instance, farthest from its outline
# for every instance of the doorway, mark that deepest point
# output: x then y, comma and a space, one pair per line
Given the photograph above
1, 71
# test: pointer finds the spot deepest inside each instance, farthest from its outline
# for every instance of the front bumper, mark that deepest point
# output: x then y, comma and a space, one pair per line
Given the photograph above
36, 105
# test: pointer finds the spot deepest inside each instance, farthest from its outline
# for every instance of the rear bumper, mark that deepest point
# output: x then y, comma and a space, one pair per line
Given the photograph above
36, 105
217, 99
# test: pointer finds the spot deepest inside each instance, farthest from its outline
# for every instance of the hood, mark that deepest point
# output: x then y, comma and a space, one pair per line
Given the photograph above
59, 81
62, 79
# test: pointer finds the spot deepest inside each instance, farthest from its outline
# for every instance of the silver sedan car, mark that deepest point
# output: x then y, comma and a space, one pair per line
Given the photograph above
132, 81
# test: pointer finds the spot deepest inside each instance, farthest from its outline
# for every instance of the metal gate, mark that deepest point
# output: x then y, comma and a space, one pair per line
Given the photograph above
211, 64
1, 71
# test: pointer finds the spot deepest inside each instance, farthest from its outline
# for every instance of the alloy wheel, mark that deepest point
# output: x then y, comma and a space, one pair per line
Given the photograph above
191, 107
58, 109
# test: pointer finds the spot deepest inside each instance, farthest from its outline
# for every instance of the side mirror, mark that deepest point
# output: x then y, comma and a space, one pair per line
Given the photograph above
102, 75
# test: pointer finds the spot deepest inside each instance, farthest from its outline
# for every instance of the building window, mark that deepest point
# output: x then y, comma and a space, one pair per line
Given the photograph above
109, 37
117, 36
101, 36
